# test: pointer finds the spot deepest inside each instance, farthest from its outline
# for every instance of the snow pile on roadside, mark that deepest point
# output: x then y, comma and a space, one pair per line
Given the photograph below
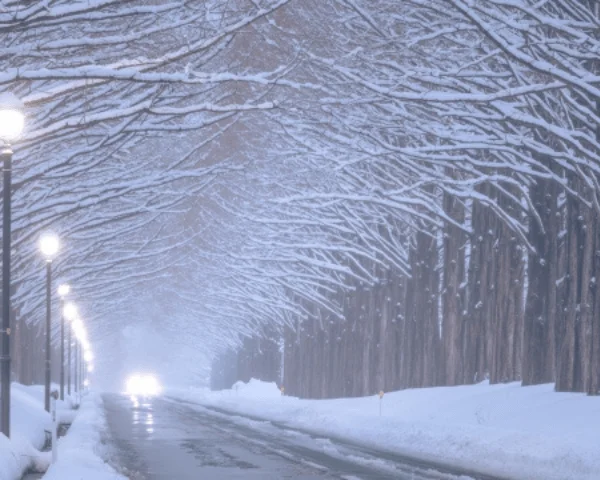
81, 451
64, 408
28, 422
256, 389
18, 455
505, 430
28, 417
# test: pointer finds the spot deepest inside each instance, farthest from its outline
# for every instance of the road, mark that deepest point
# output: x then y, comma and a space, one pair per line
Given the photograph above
167, 439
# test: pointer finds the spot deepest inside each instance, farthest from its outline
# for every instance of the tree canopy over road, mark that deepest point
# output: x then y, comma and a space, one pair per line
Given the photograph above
389, 194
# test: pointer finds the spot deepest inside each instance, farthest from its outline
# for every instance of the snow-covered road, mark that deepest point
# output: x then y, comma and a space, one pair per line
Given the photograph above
166, 439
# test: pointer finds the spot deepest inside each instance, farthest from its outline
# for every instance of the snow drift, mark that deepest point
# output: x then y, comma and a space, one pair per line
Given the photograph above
506, 430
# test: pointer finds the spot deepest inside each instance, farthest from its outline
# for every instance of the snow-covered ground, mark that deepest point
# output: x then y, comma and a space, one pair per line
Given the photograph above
80, 453
28, 422
506, 430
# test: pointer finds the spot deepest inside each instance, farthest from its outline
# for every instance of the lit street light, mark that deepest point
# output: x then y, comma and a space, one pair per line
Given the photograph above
70, 313
80, 335
88, 356
63, 291
12, 121
49, 245
75, 356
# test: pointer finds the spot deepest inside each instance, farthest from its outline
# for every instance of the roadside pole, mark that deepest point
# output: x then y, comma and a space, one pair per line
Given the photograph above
54, 397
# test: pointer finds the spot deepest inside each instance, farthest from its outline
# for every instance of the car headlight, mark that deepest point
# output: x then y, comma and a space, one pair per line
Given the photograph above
143, 385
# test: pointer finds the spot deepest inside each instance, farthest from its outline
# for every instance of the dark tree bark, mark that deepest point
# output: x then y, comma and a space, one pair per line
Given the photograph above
421, 343
477, 320
594, 380
542, 302
453, 329
505, 355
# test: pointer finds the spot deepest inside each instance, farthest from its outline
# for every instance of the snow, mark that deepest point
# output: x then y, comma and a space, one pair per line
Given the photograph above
17, 455
506, 430
256, 390
28, 422
82, 452
34, 395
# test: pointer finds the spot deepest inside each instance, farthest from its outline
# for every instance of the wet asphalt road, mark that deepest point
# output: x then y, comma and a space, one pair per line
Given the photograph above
166, 439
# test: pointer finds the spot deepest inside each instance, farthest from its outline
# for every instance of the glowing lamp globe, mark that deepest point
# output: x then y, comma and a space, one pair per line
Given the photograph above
78, 328
49, 246
70, 311
12, 118
63, 290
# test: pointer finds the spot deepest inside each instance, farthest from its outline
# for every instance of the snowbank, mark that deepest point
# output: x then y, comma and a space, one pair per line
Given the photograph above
505, 430
28, 422
64, 408
81, 452
255, 389
17, 455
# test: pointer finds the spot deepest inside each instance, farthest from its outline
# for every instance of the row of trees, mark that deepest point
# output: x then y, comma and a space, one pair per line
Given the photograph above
393, 193
28, 367
455, 196
115, 93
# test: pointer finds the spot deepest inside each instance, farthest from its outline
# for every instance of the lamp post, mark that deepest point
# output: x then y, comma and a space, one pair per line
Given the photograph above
78, 329
63, 291
88, 358
12, 121
75, 367
69, 361
83, 357
70, 312
49, 247
80, 369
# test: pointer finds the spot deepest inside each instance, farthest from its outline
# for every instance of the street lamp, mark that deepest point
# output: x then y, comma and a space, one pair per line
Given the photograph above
12, 121
70, 313
63, 291
49, 245
75, 357
88, 356
79, 331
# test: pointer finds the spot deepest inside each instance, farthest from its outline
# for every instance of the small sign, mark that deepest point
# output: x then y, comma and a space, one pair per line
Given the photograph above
381, 394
